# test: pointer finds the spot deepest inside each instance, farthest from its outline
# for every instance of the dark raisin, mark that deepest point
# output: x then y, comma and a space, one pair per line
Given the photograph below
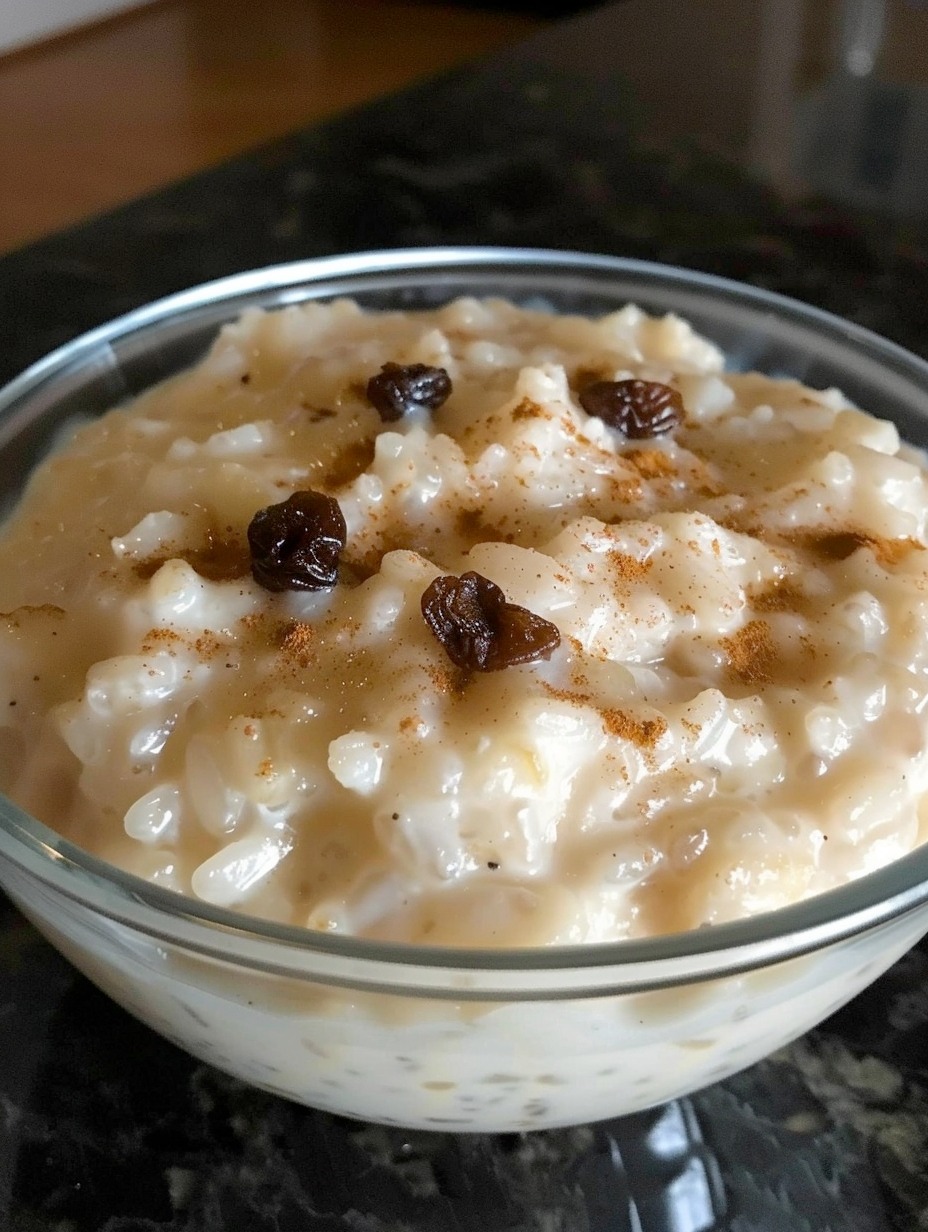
398, 389
481, 631
296, 545
639, 409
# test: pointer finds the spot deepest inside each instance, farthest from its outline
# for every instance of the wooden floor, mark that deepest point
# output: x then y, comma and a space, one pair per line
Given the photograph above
97, 117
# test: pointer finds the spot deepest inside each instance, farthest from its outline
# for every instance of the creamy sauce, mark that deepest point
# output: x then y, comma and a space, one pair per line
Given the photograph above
734, 718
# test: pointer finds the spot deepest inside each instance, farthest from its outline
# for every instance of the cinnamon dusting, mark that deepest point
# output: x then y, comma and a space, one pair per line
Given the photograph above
527, 409
644, 733
297, 642
651, 463
447, 680
207, 644
781, 595
751, 652
627, 568
625, 491
160, 639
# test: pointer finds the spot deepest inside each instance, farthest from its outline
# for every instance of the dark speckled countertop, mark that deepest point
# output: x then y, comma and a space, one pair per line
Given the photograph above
782, 142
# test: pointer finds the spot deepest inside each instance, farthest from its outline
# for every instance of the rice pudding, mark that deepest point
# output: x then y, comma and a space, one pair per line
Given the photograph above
480, 626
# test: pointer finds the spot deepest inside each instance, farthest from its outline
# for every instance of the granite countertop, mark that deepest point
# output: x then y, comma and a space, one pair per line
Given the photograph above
777, 143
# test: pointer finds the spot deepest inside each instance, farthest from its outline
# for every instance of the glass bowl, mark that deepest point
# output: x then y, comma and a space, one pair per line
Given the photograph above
490, 1040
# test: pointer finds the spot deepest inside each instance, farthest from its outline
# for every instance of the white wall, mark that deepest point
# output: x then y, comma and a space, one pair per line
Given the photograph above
24, 21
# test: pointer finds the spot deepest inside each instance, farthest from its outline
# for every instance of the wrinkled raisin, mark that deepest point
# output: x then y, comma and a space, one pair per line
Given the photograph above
296, 545
479, 630
398, 389
639, 409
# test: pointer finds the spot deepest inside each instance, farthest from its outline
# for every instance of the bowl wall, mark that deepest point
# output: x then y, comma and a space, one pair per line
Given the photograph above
429, 1063
461, 1040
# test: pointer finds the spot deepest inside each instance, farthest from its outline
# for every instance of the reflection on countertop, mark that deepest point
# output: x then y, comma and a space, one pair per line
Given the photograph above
807, 95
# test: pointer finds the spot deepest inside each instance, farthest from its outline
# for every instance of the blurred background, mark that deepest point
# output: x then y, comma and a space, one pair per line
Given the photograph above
104, 100
101, 100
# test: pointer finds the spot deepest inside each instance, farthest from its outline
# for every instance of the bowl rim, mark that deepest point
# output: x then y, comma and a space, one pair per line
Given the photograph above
869, 902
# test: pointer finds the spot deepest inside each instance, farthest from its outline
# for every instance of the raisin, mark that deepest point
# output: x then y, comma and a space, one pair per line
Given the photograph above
639, 409
398, 389
296, 545
479, 630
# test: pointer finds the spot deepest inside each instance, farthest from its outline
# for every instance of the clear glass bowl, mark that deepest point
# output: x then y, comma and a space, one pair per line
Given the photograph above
440, 1038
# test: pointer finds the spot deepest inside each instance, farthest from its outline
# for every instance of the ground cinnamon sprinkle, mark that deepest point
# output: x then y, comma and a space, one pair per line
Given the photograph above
156, 639
207, 644
527, 409
892, 551
782, 595
626, 568
297, 642
625, 491
448, 680
751, 652
645, 733
567, 695
162, 635
651, 463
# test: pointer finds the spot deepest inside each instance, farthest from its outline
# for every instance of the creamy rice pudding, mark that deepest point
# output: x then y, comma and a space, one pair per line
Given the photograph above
480, 626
